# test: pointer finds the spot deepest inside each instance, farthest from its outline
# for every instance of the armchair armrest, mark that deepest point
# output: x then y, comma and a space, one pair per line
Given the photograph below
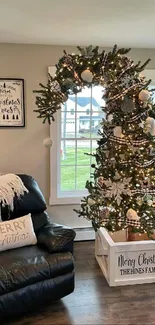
56, 237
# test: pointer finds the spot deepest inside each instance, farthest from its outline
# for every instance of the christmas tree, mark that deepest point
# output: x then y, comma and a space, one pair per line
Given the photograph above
121, 192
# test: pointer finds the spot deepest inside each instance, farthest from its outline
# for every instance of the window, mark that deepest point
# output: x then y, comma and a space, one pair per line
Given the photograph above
73, 135
78, 139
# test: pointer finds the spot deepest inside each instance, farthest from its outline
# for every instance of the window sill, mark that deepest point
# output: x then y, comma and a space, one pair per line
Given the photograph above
65, 200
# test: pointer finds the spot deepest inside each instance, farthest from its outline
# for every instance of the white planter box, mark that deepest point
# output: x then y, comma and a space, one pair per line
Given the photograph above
124, 263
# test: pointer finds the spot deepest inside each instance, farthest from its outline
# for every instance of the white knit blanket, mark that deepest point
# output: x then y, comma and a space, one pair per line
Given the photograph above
10, 184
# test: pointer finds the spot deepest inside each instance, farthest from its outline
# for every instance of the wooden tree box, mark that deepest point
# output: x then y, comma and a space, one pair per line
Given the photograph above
123, 262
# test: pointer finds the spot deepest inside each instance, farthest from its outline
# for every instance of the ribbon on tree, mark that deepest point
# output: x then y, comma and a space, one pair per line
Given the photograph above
135, 143
137, 117
117, 140
139, 143
125, 92
147, 164
137, 164
143, 191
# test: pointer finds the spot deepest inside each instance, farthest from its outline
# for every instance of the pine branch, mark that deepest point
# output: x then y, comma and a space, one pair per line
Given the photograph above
144, 65
123, 51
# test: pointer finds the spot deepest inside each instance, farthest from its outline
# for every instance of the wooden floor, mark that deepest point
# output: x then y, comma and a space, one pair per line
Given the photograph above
94, 302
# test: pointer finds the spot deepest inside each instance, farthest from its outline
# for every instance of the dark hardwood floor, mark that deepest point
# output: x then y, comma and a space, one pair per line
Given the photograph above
94, 302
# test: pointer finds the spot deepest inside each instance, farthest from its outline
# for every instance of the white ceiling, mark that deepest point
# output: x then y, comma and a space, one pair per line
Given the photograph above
78, 22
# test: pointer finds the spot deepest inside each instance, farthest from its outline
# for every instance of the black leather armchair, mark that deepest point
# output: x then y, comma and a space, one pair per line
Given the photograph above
35, 275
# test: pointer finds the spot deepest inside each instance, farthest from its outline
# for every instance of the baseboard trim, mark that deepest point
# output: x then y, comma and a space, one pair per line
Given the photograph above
84, 234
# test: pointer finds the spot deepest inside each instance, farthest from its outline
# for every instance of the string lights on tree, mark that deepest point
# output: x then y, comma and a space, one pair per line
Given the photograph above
121, 193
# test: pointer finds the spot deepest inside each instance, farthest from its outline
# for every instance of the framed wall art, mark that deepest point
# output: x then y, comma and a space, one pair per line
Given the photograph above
12, 108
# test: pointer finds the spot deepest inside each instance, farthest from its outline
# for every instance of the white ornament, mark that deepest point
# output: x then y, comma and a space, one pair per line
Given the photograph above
47, 142
150, 125
116, 189
118, 132
110, 117
144, 95
150, 202
91, 201
132, 215
87, 76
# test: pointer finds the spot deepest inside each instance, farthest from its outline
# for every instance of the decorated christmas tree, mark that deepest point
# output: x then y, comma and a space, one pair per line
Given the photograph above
121, 191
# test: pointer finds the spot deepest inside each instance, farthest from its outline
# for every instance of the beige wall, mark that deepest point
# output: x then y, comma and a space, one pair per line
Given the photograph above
21, 150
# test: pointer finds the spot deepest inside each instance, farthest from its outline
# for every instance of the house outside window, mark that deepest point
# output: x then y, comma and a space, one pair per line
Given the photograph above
72, 111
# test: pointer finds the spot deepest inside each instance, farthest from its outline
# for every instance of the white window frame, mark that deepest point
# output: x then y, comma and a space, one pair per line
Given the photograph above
69, 198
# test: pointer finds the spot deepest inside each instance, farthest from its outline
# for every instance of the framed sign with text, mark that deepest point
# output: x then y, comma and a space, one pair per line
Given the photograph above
12, 109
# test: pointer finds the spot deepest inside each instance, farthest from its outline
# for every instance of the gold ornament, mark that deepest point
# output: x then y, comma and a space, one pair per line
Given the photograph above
118, 132
91, 201
132, 215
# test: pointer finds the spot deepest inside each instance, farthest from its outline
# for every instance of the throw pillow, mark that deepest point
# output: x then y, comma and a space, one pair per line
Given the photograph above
17, 233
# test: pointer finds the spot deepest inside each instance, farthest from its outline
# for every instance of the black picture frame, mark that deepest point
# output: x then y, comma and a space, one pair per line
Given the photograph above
12, 103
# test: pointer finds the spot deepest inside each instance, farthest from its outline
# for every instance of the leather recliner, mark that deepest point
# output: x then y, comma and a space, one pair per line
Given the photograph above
35, 275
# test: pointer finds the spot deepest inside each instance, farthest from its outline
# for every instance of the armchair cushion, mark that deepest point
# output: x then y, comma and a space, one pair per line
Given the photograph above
55, 237
25, 271
35, 275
